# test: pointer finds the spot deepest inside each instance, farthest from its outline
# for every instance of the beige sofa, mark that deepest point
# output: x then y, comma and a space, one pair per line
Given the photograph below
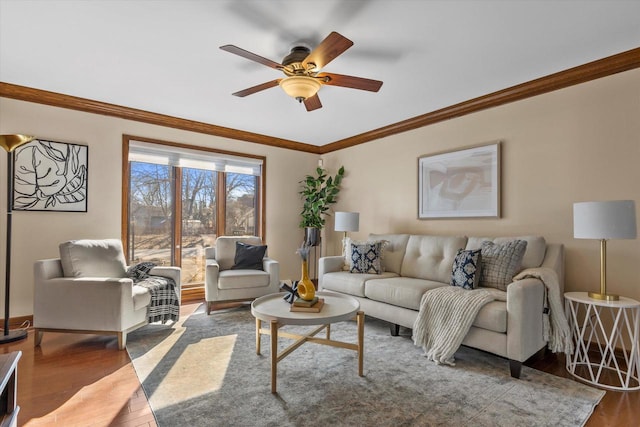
413, 264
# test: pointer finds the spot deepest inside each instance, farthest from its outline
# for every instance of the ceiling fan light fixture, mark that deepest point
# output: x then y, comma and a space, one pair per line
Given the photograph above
300, 87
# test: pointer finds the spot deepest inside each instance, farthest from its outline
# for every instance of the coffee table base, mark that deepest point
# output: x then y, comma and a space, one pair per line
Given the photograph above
276, 357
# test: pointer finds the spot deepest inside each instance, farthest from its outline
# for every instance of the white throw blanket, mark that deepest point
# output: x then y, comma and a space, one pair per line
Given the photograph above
445, 316
556, 328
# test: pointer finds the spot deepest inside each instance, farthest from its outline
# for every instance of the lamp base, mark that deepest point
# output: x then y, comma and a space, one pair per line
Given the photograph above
15, 335
603, 297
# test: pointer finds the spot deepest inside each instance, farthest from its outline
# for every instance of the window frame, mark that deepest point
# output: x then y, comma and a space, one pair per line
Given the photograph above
221, 188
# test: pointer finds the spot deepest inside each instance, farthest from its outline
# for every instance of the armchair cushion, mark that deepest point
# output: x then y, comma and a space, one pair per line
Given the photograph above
141, 297
248, 257
239, 279
93, 258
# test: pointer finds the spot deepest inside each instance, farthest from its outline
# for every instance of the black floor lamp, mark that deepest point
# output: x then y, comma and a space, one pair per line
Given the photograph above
10, 143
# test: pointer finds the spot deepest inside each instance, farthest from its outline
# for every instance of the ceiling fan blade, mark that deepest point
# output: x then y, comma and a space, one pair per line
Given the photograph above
258, 88
251, 56
328, 50
351, 82
313, 103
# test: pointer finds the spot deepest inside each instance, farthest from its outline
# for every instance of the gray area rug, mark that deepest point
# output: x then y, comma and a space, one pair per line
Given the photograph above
205, 372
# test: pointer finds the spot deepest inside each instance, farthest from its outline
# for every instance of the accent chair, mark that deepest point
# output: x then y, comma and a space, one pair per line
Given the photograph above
227, 279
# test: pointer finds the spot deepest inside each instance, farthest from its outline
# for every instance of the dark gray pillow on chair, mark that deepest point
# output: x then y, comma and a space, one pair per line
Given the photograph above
248, 257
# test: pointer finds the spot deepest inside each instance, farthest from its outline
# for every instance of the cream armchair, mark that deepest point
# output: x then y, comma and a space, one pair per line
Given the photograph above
94, 296
226, 284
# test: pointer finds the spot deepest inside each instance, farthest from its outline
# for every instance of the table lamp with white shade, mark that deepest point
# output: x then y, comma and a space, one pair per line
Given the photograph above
346, 221
615, 219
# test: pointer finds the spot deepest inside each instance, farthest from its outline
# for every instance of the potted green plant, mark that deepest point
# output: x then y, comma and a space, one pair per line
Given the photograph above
318, 194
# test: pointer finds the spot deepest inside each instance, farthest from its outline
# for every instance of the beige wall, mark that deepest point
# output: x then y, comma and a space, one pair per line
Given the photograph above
577, 144
36, 235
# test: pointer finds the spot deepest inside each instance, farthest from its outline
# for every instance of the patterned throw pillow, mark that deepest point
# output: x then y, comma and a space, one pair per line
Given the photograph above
501, 262
347, 256
140, 271
366, 257
466, 269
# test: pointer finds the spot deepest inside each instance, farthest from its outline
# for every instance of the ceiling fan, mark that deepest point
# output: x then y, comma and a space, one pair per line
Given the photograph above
302, 69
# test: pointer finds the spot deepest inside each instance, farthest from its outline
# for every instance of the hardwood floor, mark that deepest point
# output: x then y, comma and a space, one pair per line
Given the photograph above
84, 380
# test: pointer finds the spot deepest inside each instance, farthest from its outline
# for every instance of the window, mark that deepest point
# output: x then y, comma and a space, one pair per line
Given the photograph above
177, 199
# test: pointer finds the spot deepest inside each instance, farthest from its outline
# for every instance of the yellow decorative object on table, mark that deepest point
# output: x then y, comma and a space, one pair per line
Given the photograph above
306, 288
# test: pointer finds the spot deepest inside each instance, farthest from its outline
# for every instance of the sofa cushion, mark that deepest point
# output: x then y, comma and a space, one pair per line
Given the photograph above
239, 279
431, 257
493, 317
533, 256
394, 250
93, 258
466, 270
501, 262
401, 291
248, 257
350, 283
366, 257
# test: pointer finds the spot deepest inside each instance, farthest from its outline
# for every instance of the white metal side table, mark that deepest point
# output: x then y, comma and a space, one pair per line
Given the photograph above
605, 328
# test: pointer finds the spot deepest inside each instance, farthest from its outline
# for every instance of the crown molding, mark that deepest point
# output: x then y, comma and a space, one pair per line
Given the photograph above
23, 93
593, 70
583, 73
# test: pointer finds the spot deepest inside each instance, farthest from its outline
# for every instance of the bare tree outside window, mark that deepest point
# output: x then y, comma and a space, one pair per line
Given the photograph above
199, 220
150, 211
241, 204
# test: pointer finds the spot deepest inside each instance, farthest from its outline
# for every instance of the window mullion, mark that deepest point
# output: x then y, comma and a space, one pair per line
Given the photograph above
221, 205
177, 217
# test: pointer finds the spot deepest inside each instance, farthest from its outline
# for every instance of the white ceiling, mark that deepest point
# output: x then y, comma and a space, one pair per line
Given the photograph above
162, 56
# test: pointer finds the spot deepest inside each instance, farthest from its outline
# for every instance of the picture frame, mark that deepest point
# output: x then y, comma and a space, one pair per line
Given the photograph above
50, 176
463, 183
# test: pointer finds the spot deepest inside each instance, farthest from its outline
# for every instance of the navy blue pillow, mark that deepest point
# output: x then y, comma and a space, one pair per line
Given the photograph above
466, 269
248, 257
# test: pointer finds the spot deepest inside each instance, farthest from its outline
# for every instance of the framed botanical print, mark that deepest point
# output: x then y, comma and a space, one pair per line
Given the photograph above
50, 176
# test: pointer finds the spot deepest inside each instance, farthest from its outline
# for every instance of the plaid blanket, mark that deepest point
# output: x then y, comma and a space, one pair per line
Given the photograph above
164, 300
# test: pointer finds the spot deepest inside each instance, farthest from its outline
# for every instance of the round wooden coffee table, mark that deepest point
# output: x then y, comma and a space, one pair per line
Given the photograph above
275, 310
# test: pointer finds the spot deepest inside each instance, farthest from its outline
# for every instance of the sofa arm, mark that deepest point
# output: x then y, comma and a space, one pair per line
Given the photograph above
212, 270
525, 330
272, 267
210, 252
329, 264
554, 259
82, 303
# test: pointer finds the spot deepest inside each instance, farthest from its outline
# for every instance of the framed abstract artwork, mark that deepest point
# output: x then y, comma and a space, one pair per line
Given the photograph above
50, 176
460, 184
